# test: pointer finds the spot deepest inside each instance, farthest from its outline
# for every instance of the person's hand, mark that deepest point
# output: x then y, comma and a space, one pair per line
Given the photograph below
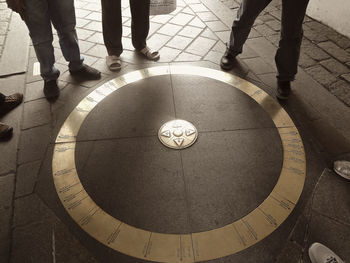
18, 6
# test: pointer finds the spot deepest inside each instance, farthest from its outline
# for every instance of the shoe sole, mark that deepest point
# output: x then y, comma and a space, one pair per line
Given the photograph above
341, 174
225, 67
282, 97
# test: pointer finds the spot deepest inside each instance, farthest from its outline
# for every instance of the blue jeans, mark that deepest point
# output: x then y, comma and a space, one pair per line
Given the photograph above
287, 55
38, 16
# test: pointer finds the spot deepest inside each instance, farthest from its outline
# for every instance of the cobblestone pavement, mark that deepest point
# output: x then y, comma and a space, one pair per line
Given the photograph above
5, 16
31, 228
325, 54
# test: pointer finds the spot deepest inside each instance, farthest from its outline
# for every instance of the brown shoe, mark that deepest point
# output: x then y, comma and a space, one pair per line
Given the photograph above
5, 131
10, 102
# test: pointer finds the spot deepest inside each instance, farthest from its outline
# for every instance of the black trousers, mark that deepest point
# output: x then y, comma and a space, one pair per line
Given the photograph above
287, 55
112, 24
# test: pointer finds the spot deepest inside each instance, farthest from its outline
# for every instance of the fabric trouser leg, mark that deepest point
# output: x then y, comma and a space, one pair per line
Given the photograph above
287, 55
62, 14
246, 15
140, 22
2, 98
37, 19
112, 26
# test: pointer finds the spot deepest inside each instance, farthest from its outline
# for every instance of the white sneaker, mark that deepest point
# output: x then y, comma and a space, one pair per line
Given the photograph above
319, 253
342, 168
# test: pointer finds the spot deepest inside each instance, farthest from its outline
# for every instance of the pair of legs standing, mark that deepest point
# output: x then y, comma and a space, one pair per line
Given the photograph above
113, 28
38, 16
287, 55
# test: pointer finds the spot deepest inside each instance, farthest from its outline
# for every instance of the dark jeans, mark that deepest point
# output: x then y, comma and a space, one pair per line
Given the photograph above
2, 98
38, 16
112, 24
287, 56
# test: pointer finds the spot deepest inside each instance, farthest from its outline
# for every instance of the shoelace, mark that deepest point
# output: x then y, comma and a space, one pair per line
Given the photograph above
331, 260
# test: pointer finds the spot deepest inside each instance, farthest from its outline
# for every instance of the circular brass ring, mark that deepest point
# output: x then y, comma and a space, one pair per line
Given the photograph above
192, 247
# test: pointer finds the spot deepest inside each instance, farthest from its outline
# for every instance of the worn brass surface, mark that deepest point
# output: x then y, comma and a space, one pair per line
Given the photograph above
178, 134
194, 247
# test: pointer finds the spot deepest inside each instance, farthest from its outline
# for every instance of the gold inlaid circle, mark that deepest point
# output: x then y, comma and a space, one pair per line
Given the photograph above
177, 134
193, 247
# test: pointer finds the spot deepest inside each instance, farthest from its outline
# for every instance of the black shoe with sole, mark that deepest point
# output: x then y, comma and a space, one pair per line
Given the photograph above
283, 89
86, 73
228, 60
51, 89
10, 102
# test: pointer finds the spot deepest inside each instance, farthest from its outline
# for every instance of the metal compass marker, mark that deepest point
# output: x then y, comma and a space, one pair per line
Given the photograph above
178, 134
192, 247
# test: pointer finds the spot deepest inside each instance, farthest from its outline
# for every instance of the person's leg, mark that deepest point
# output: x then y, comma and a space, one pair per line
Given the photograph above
37, 19
246, 15
287, 55
112, 26
62, 14
139, 22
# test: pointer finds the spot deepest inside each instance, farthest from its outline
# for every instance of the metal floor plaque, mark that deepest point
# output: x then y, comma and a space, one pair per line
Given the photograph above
178, 134
193, 247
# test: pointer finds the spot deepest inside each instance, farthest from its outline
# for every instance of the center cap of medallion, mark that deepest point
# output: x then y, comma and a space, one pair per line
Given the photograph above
178, 134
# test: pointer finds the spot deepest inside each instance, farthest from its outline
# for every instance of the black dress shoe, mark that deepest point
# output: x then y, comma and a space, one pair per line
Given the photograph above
51, 89
283, 89
228, 60
86, 73
5, 131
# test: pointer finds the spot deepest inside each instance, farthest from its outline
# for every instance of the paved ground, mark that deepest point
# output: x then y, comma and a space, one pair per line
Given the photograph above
35, 228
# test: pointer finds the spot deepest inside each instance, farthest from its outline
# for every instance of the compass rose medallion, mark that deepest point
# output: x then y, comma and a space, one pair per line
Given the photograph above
178, 134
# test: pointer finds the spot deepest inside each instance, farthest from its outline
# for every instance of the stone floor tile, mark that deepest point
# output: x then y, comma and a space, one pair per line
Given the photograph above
26, 178
179, 42
85, 45
81, 13
163, 19
84, 34
214, 56
219, 47
187, 57
168, 54
153, 28
224, 36
6, 198
169, 29
305, 61
209, 34
157, 41
335, 51
188, 10
331, 197
321, 75
217, 26
198, 8
274, 24
201, 46
94, 16
207, 16
258, 66
94, 26
33, 144
190, 31
181, 19
197, 23
97, 51
95, 38
334, 66
346, 77
254, 33
264, 30
36, 113
341, 89
93, 7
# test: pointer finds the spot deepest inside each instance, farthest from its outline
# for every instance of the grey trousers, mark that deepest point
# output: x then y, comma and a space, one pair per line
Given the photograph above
112, 24
287, 55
